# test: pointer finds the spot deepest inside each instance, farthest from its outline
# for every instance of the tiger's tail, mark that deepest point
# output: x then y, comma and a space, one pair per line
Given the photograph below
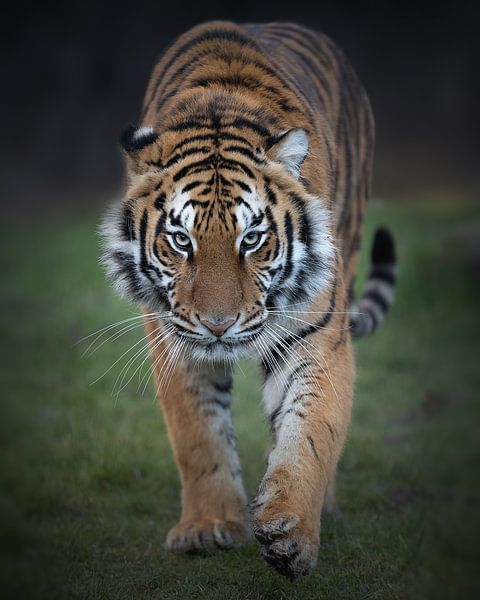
379, 292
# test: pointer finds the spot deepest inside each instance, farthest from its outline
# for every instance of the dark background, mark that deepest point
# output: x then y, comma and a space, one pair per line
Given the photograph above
74, 75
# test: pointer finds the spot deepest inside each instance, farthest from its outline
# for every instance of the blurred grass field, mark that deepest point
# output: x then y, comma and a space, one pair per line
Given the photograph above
88, 484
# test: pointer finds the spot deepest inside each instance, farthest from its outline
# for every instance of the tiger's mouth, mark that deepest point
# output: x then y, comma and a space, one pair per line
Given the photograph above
199, 346
208, 342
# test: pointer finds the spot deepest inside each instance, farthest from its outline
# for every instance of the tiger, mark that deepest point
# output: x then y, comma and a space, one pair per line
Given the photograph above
238, 235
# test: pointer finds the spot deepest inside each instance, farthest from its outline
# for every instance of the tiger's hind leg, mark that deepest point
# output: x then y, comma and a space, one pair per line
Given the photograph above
196, 407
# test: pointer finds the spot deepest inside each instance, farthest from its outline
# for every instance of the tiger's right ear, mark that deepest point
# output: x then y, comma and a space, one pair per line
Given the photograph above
141, 150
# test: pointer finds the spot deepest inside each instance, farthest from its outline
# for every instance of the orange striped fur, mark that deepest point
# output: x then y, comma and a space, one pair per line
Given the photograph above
240, 231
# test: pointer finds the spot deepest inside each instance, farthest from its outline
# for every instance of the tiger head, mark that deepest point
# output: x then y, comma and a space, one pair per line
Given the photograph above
215, 232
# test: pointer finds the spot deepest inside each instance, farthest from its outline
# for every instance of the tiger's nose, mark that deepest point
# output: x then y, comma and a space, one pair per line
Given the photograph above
218, 325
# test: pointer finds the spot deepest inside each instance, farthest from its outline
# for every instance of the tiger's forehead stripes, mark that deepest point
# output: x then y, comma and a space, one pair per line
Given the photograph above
231, 212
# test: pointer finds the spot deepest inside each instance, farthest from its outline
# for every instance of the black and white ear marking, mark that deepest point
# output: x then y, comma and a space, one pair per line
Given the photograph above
136, 138
290, 148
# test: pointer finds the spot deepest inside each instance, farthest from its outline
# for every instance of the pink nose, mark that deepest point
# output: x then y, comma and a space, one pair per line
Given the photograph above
219, 326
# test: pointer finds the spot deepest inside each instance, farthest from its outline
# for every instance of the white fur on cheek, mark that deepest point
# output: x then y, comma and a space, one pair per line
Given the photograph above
121, 259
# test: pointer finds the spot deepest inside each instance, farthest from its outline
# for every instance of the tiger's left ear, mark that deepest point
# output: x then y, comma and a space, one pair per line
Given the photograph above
289, 148
139, 146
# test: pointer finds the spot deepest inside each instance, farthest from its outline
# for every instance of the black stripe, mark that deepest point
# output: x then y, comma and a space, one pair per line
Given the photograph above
377, 298
291, 340
242, 122
231, 36
160, 224
318, 82
160, 201
225, 387
240, 201
300, 397
271, 197
257, 220
127, 223
289, 233
143, 234
308, 61
206, 162
386, 275
315, 40
245, 151
145, 267
251, 317
191, 186
189, 124
273, 417
332, 430
312, 444
212, 137
252, 328
185, 319
222, 34
274, 229
128, 270
236, 165
305, 229
176, 157
186, 69
248, 82
309, 104
220, 403
243, 186
293, 374
328, 315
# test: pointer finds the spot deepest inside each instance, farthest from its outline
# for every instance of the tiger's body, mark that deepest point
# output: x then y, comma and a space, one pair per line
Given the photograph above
239, 236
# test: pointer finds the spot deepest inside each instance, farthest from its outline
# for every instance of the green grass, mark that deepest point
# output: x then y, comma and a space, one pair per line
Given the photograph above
88, 484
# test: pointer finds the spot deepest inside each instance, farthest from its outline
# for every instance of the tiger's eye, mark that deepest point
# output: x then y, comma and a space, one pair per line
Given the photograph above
182, 240
251, 239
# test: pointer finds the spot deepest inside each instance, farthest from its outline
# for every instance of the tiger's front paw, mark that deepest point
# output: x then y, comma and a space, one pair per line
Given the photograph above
206, 535
292, 556
288, 543
286, 547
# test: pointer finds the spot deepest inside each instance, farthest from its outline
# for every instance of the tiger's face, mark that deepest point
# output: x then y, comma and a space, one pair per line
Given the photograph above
213, 242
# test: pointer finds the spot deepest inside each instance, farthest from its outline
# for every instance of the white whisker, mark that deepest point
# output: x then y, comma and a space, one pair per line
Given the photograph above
110, 326
155, 363
302, 341
296, 355
147, 350
115, 336
318, 327
119, 359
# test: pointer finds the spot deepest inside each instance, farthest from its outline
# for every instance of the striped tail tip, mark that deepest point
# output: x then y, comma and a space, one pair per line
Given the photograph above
379, 293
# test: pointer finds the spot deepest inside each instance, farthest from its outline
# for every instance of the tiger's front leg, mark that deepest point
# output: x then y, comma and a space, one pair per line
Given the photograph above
309, 406
196, 406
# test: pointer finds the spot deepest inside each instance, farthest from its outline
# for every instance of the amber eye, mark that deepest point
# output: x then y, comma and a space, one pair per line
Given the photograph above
182, 240
251, 239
